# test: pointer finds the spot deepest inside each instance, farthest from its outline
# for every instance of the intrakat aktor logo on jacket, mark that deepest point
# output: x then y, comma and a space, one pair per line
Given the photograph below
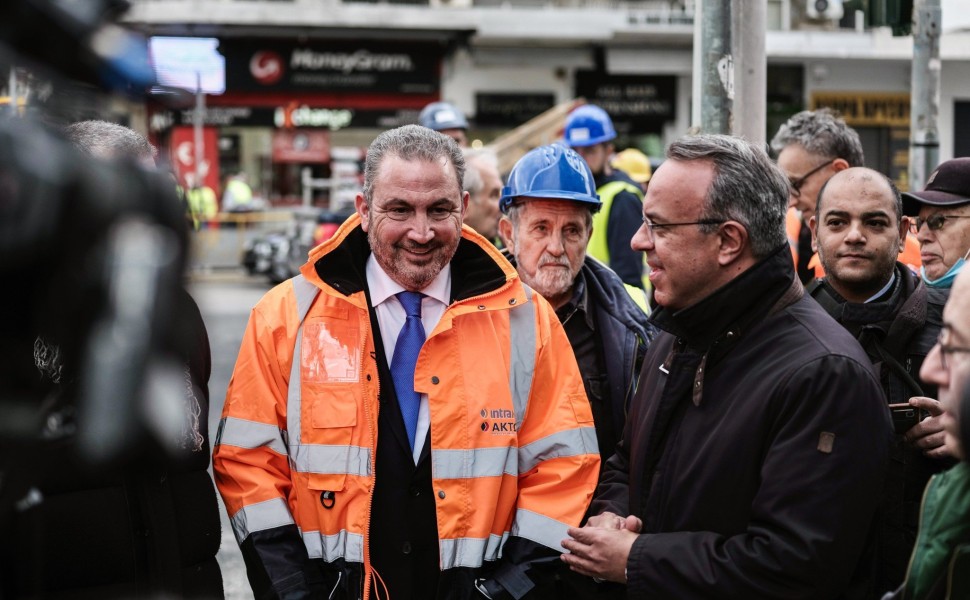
498, 421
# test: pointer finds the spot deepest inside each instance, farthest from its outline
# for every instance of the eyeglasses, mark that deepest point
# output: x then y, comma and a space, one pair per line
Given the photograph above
934, 222
653, 227
796, 184
945, 348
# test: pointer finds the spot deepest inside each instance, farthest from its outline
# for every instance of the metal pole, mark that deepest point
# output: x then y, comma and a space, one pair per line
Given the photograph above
197, 130
716, 82
924, 145
12, 87
750, 70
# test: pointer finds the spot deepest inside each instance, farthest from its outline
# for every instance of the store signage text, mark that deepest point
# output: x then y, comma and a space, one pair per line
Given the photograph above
867, 108
362, 60
305, 116
636, 103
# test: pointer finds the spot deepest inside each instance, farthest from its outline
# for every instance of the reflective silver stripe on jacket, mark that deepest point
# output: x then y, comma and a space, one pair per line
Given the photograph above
470, 552
478, 462
319, 458
261, 516
241, 433
305, 293
539, 528
345, 545
522, 339
569, 442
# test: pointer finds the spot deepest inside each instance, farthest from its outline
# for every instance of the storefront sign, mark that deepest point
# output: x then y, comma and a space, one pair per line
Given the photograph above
510, 110
337, 67
301, 146
862, 109
637, 104
291, 115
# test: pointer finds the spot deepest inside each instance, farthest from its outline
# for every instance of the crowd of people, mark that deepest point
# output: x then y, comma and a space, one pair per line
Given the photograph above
725, 377
431, 412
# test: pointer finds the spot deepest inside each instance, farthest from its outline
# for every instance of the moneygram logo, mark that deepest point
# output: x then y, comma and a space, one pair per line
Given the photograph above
266, 67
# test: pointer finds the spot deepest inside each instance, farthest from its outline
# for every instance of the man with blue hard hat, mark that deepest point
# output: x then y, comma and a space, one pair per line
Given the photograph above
589, 131
445, 118
548, 207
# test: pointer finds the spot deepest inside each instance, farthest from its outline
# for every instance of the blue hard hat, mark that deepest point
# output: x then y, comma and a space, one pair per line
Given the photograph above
588, 125
554, 172
442, 115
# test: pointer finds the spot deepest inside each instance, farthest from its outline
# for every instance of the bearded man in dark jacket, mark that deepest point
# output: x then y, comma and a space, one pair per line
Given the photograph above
548, 210
858, 231
758, 436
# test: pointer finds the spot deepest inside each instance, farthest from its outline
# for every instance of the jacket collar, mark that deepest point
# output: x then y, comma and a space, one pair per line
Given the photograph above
733, 308
340, 263
898, 316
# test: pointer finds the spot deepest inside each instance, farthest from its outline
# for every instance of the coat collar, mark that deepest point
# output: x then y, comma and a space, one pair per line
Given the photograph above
340, 263
733, 308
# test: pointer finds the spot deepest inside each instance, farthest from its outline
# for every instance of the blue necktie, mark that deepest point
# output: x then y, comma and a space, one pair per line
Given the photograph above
409, 343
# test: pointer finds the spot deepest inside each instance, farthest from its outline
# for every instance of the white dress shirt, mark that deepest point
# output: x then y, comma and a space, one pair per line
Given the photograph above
391, 318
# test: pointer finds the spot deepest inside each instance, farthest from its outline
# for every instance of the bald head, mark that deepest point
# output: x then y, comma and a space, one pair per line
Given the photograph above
858, 232
866, 182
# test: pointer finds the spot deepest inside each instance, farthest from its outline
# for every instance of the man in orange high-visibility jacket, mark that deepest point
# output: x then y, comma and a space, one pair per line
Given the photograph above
459, 479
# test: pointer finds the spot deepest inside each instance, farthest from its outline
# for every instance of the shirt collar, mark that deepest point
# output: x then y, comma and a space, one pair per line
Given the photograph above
578, 302
382, 287
884, 289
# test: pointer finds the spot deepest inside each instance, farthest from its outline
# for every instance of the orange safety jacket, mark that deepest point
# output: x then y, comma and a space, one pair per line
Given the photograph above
513, 447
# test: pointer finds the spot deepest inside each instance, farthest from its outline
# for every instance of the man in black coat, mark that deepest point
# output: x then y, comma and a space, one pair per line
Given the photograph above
145, 523
858, 231
759, 435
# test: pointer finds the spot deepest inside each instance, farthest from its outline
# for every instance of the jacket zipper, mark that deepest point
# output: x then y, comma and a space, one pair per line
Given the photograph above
372, 425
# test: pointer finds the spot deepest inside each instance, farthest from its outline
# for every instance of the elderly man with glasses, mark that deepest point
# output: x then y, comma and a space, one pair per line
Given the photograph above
758, 435
942, 222
940, 561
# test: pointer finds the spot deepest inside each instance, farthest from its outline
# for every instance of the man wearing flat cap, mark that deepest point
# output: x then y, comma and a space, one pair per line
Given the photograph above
942, 221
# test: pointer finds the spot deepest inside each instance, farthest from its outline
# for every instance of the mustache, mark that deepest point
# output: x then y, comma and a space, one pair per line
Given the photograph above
414, 246
548, 260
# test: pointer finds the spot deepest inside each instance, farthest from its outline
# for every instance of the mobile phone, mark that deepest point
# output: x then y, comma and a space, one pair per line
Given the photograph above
904, 416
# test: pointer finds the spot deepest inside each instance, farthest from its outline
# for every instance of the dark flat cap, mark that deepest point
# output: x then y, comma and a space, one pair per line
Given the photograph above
949, 185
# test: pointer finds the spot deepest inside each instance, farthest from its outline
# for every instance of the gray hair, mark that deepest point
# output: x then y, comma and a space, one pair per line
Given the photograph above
868, 174
516, 208
109, 141
473, 182
747, 188
410, 142
822, 132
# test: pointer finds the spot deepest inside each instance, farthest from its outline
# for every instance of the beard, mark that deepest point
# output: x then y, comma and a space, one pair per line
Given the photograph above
411, 272
551, 282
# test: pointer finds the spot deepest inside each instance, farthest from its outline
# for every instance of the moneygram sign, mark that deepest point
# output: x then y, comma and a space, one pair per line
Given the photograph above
407, 69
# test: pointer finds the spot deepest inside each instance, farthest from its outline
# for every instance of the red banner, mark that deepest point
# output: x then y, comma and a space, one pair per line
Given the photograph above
182, 144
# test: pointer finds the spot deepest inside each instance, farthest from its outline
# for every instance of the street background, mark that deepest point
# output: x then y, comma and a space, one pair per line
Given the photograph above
225, 297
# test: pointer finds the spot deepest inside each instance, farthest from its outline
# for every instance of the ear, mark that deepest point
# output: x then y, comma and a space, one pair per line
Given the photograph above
733, 242
505, 232
904, 224
813, 225
840, 164
362, 209
464, 203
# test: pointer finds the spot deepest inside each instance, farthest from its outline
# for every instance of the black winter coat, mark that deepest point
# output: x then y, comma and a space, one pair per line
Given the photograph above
146, 526
754, 450
897, 333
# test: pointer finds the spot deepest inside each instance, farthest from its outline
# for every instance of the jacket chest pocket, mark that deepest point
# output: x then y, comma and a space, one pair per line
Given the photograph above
333, 451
